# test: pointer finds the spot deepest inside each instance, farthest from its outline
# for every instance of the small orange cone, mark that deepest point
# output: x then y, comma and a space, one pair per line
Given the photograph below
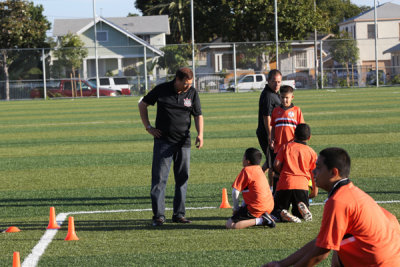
16, 261
71, 236
225, 203
13, 229
52, 220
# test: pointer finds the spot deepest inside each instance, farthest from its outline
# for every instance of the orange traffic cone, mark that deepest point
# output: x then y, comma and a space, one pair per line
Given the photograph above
12, 229
16, 261
225, 203
71, 236
52, 220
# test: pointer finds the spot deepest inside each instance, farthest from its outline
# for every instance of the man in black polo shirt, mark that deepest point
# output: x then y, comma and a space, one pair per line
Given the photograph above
269, 99
176, 102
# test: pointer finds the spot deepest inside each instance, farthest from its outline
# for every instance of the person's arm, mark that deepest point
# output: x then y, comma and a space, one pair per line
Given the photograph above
144, 116
314, 191
235, 199
199, 123
278, 165
308, 255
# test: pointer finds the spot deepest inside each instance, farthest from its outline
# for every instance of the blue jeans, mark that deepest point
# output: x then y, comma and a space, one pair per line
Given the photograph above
163, 155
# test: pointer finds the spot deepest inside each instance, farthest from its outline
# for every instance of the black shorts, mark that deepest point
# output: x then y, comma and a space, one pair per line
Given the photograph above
269, 153
242, 214
283, 199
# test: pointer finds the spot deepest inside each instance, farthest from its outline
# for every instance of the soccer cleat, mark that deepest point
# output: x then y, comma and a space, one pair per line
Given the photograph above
267, 220
287, 217
304, 211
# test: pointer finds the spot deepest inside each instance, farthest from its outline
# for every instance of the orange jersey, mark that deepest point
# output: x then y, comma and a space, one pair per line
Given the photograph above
255, 189
373, 236
284, 121
298, 162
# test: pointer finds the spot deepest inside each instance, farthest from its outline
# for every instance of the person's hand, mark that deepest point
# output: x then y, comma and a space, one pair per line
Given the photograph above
154, 132
272, 264
199, 141
272, 144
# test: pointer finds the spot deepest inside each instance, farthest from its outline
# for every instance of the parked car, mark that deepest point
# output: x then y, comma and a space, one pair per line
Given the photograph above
71, 88
119, 84
256, 82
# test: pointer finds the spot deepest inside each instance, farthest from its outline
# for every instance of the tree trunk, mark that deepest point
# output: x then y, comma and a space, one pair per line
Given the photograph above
347, 76
6, 74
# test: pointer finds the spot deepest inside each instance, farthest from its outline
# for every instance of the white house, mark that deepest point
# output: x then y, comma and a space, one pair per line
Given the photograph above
362, 28
122, 42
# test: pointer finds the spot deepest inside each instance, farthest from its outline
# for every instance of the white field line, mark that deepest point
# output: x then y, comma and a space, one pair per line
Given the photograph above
33, 258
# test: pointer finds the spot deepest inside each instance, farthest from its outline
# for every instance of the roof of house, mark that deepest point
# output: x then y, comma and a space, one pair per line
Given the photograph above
393, 49
135, 25
384, 12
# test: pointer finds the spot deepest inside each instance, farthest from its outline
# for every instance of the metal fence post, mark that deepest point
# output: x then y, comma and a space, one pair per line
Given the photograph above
322, 64
145, 68
44, 75
234, 66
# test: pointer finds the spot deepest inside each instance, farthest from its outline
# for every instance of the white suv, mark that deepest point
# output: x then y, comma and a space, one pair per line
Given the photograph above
119, 84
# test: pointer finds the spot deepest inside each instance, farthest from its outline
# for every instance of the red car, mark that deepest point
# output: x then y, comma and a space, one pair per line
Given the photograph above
65, 89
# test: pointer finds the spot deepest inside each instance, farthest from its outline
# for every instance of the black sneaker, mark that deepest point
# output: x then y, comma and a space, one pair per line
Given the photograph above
158, 221
267, 220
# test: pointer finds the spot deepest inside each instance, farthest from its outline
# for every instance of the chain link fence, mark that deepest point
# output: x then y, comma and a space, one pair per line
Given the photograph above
219, 67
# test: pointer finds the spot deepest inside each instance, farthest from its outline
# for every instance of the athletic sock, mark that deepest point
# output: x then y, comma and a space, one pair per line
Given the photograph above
259, 221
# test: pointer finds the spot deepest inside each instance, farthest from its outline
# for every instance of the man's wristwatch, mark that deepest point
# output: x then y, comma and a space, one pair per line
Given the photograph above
149, 127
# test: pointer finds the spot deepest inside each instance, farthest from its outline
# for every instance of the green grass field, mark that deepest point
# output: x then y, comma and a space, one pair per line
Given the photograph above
94, 155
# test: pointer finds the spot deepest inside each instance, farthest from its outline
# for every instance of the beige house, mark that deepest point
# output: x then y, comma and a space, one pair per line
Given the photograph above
362, 28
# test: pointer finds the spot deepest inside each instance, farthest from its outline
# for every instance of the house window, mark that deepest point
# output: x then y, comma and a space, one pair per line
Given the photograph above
102, 36
371, 31
354, 32
145, 38
301, 60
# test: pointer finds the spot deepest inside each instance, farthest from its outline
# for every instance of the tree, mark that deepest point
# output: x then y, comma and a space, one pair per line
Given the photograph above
175, 57
237, 21
344, 50
338, 11
22, 26
71, 52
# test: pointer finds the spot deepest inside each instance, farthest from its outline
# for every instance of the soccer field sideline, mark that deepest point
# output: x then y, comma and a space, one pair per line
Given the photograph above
39, 249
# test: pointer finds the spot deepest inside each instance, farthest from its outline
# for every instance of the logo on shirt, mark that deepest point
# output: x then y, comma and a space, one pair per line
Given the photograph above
291, 114
187, 102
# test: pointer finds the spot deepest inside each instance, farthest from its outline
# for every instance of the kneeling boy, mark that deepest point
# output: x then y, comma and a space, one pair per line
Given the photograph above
295, 162
256, 193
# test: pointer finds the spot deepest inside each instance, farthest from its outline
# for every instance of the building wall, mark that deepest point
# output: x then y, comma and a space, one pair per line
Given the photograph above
388, 36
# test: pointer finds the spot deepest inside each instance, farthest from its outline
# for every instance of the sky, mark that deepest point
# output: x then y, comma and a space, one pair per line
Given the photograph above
69, 9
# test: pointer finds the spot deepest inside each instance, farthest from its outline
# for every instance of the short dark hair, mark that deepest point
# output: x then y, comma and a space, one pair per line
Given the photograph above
286, 89
273, 73
335, 157
253, 155
184, 73
302, 132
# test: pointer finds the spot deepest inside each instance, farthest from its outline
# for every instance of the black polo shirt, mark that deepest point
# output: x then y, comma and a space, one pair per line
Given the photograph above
174, 111
268, 101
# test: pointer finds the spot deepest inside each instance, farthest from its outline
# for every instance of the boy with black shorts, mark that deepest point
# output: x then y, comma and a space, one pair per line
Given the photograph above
295, 162
284, 120
257, 196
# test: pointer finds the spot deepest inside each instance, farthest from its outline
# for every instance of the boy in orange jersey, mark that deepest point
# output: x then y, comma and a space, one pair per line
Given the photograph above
295, 162
360, 232
257, 197
284, 120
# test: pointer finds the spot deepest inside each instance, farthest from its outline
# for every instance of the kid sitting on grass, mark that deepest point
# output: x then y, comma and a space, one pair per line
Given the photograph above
284, 120
257, 196
295, 162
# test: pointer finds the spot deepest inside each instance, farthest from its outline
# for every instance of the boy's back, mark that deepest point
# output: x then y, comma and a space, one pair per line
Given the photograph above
284, 122
298, 162
255, 189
